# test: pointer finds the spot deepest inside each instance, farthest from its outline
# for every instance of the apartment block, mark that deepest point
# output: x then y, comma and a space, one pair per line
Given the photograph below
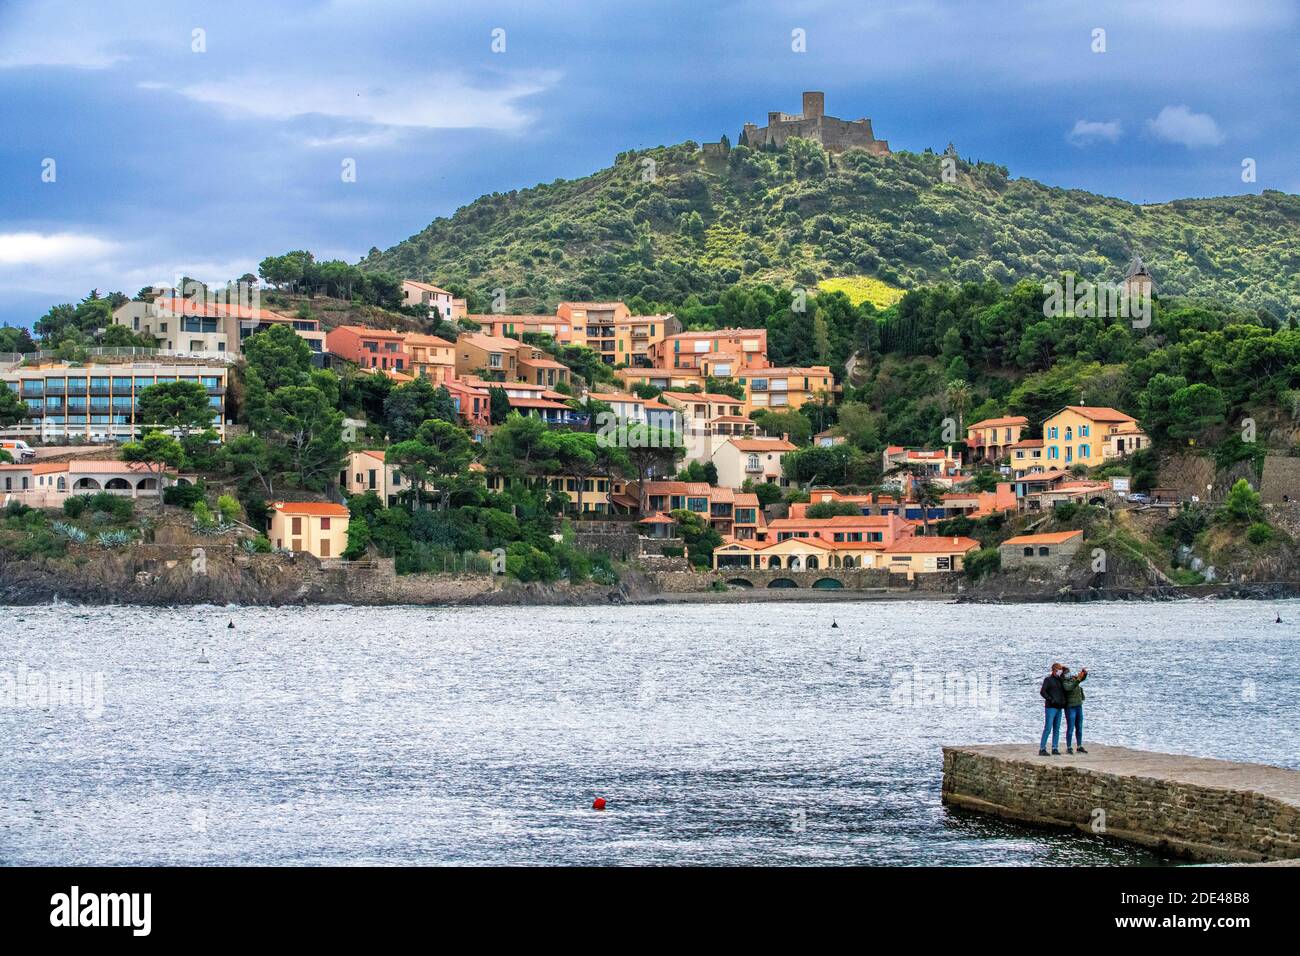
380, 349
98, 401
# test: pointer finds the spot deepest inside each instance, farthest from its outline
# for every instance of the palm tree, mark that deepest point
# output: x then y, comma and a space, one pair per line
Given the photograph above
959, 400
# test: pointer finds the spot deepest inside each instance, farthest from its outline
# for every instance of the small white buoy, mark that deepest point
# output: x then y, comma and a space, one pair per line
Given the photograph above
203, 655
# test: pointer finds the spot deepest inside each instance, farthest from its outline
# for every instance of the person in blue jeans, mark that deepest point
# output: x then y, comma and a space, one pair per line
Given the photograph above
1053, 694
1074, 709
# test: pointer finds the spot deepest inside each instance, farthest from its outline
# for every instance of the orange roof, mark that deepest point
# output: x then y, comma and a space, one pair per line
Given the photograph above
941, 544
428, 341
712, 397
1029, 443
370, 333
427, 287
323, 509
657, 518
760, 444
535, 403
38, 467
490, 343
1098, 413
375, 453
1054, 537
718, 334
1004, 420
192, 308
107, 467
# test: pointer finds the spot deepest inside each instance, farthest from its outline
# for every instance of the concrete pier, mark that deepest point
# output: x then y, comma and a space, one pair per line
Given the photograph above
1193, 807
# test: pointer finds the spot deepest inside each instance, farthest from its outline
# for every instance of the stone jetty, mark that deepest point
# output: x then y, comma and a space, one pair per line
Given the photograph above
1191, 807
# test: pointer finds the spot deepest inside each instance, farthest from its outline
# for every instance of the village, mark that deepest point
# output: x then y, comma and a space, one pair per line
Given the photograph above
700, 395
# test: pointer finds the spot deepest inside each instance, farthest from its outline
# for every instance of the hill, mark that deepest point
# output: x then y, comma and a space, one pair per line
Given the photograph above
667, 223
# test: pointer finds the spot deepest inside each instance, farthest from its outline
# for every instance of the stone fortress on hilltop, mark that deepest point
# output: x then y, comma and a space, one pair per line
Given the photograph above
834, 134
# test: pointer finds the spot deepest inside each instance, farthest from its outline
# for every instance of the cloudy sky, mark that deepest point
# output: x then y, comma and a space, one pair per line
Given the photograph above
196, 138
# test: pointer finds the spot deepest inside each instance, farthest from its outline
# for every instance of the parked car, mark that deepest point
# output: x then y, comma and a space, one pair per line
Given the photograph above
1139, 499
19, 450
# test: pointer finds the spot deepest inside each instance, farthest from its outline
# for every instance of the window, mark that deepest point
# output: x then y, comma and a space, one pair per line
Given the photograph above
297, 525
1029, 552
325, 525
1083, 451
1042, 552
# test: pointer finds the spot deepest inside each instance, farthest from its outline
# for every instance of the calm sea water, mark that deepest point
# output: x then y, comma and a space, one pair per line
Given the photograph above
752, 734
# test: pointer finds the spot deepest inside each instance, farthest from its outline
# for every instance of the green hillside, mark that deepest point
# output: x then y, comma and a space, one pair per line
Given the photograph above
664, 224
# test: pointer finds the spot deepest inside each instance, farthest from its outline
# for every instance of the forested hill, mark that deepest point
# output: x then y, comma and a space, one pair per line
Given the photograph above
666, 223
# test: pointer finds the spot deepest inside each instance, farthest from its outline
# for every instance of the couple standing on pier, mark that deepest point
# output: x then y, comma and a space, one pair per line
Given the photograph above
1062, 692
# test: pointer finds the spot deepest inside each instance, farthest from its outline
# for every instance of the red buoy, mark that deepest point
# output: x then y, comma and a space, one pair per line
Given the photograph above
598, 803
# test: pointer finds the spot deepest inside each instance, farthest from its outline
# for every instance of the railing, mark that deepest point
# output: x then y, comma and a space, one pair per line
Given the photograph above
116, 353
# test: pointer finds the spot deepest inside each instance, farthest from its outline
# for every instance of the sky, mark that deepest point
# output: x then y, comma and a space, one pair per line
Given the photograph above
146, 140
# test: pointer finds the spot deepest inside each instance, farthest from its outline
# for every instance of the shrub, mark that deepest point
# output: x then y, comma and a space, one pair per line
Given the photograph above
69, 531
673, 551
982, 562
229, 508
1066, 510
113, 539
75, 506
184, 496
1258, 533
259, 545
203, 514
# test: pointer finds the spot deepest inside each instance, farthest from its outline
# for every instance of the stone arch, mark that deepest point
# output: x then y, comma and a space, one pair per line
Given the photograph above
774, 562
781, 583
147, 483
1097, 501
86, 484
828, 584
117, 484
740, 582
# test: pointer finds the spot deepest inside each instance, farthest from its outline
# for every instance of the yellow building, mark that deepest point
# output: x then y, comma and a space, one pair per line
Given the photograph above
369, 470
994, 438
314, 527
619, 337
597, 491
782, 388
432, 357
1089, 435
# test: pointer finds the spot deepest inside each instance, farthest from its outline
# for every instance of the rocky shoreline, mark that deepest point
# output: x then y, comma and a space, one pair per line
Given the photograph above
160, 576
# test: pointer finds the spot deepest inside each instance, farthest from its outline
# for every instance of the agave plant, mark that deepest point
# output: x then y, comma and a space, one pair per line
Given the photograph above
113, 539
69, 531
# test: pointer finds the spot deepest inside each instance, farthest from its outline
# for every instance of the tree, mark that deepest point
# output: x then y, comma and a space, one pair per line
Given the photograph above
250, 455
182, 407
305, 436
411, 404
158, 451
1242, 503
791, 423
576, 454
277, 357
959, 395
499, 405
1194, 409
699, 536
436, 458
12, 408
928, 495
650, 451
520, 449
